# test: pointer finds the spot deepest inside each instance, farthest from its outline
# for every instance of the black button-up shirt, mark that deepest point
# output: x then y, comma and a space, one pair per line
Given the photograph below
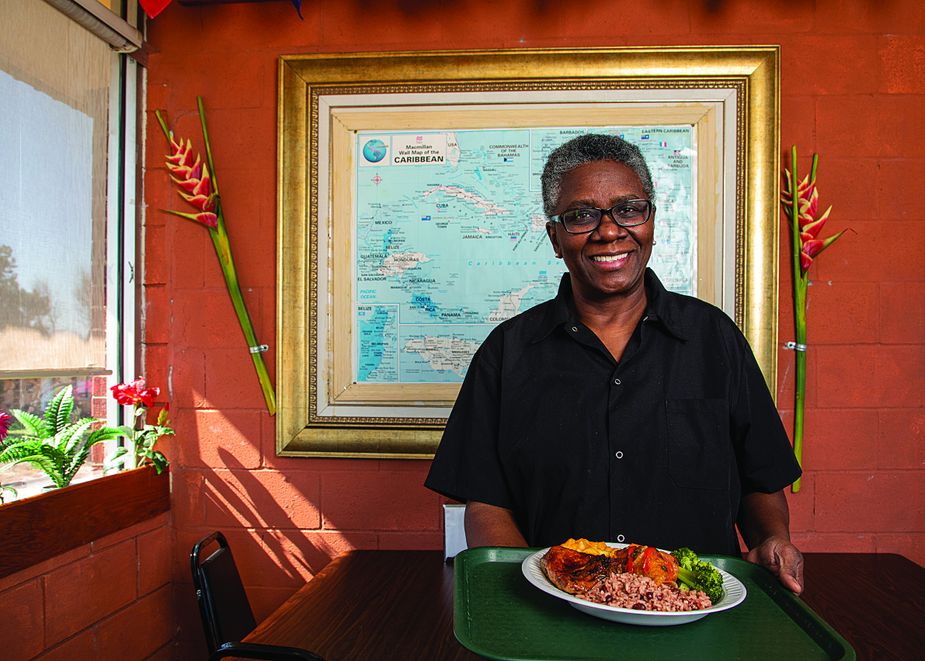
654, 449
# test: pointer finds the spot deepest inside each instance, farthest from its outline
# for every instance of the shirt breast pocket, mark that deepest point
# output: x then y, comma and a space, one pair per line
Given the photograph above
699, 448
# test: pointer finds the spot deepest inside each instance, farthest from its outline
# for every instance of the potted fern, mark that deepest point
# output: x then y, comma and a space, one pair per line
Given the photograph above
54, 443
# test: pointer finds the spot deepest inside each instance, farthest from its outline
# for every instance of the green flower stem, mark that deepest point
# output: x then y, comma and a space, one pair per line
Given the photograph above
799, 317
222, 246
223, 250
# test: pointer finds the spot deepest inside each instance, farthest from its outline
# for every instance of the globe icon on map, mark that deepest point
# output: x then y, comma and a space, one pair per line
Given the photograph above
374, 150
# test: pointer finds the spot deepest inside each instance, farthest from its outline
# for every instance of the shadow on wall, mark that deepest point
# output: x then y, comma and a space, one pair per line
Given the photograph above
273, 560
249, 504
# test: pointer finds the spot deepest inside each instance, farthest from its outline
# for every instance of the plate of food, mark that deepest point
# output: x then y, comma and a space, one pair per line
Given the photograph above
633, 584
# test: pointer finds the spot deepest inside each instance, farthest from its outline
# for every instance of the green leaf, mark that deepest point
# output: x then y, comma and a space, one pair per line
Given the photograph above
19, 451
72, 435
54, 466
106, 434
32, 425
48, 460
58, 411
125, 430
76, 462
159, 460
54, 455
118, 459
43, 464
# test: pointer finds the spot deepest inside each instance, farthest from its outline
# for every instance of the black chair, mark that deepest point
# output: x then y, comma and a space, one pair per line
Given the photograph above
226, 612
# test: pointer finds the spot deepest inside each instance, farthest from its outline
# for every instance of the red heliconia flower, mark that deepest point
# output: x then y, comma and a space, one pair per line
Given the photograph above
192, 176
810, 224
134, 393
5, 421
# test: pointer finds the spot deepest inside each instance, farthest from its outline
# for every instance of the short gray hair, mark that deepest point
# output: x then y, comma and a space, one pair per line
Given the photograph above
589, 148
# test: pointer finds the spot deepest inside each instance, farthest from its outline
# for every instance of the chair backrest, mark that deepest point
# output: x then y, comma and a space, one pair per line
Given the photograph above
226, 611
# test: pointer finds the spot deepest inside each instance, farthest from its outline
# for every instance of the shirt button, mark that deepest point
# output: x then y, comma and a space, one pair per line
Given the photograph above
619, 454
574, 329
617, 382
620, 538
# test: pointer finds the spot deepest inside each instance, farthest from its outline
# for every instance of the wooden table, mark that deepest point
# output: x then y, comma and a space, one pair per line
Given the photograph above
399, 605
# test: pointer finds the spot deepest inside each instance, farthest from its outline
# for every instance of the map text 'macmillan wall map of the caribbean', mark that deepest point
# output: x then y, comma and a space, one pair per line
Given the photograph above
450, 239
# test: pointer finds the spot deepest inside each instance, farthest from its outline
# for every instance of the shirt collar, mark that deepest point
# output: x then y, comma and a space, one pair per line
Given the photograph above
661, 307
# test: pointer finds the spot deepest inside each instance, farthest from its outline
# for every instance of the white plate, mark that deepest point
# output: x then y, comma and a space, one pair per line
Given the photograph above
733, 595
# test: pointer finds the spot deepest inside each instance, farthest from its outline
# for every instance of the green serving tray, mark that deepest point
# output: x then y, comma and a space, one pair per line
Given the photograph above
499, 615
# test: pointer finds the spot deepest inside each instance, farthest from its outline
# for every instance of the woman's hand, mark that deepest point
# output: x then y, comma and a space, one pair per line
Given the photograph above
764, 521
783, 559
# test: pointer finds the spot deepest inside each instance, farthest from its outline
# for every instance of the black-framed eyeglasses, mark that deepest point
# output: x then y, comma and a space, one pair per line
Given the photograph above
627, 213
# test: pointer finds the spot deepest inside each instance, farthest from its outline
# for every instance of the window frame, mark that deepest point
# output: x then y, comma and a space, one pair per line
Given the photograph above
123, 252
122, 218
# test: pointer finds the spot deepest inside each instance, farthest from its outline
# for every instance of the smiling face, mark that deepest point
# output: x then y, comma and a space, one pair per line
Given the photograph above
608, 263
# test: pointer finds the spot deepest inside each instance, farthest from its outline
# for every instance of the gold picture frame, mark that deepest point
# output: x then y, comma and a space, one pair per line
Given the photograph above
728, 95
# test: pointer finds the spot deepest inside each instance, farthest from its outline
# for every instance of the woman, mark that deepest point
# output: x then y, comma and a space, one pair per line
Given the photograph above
617, 411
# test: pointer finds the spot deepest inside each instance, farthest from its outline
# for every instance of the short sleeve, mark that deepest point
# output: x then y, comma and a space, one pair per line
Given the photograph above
765, 457
466, 465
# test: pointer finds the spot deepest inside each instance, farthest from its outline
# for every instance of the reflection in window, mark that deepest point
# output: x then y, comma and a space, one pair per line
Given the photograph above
53, 210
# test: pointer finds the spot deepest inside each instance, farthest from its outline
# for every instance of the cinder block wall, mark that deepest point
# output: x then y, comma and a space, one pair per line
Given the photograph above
852, 88
110, 599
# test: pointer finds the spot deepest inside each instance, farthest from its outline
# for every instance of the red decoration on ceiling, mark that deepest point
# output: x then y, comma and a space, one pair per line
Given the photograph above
154, 7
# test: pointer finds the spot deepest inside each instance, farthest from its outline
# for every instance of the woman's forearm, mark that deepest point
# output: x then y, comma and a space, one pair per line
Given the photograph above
489, 525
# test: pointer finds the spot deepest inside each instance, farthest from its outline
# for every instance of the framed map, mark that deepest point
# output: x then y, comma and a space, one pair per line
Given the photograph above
450, 239
410, 219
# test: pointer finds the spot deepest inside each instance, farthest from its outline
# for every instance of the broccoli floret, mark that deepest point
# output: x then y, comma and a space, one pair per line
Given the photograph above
685, 557
697, 574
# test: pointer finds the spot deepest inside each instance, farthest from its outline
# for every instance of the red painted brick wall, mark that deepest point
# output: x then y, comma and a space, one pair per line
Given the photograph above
110, 599
852, 88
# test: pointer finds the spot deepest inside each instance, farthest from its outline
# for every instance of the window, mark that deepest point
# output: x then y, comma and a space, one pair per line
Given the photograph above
67, 217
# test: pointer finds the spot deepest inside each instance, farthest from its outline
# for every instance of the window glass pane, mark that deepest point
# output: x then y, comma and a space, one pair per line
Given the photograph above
55, 107
54, 100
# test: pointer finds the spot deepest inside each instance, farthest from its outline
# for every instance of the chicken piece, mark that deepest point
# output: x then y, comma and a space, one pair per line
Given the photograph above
576, 572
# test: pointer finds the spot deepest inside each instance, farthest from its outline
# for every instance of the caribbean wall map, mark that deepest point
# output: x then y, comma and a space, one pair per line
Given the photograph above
450, 239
